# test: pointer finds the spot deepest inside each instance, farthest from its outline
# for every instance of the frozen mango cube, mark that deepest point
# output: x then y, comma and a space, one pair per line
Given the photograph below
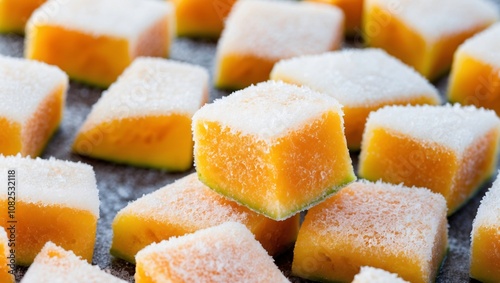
449, 149
475, 76
361, 80
54, 201
54, 264
425, 33
185, 207
391, 227
259, 33
203, 18
7, 259
144, 118
275, 148
95, 40
32, 96
376, 275
225, 253
353, 11
15, 13
485, 236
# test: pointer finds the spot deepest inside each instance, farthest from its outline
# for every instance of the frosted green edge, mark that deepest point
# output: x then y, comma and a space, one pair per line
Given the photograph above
118, 254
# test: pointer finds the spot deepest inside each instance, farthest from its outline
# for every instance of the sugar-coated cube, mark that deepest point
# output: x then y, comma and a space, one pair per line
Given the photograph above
203, 18
95, 40
361, 80
144, 118
485, 237
226, 253
185, 207
425, 33
15, 13
376, 275
32, 98
259, 33
55, 264
7, 259
353, 11
275, 148
54, 201
449, 149
391, 227
475, 76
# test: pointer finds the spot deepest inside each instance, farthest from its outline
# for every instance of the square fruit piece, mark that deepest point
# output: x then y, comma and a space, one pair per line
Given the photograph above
201, 18
185, 207
54, 201
15, 13
475, 75
485, 236
425, 33
373, 224
144, 118
275, 148
224, 253
353, 10
361, 80
95, 40
259, 33
7, 259
32, 96
449, 149
376, 275
54, 264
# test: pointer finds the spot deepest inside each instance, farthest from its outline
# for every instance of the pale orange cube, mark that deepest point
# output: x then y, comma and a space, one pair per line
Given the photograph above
8, 257
32, 96
144, 118
475, 75
375, 275
449, 149
15, 13
275, 148
425, 33
225, 254
353, 11
259, 33
361, 80
54, 201
95, 40
399, 229
185, 207
485, 238
55, 264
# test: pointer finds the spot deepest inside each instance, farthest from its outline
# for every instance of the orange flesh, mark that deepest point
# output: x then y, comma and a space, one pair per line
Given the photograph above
15, 13
5, 276
352, 10
237, 72
72, 229
10, 137
155, 141
485, 255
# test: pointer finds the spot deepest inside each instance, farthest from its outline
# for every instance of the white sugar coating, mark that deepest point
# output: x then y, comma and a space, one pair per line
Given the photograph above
224, 253
356, 77
268, 110
488, 213
115, 18
375, 275
152, 87
55, 265
187, 202
451, 126
484, 46
51, 182
435, 19
24, 85
281, 29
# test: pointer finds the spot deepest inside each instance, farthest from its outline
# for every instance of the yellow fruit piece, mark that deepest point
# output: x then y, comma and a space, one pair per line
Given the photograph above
185, 207
7, 261
373, 224
353, 10
15, 13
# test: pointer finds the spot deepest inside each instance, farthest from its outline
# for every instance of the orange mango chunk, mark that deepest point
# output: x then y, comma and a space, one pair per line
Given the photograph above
95, 40
373, 224
275, 148
7, 259
449, 149
32, 98
353, 11
259, 33
144, 118
475, 75
185, 207
201, 18
376, 275
55, 264
361, 80
485, 236
15, 13
54, 201
424, 34
224, 253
